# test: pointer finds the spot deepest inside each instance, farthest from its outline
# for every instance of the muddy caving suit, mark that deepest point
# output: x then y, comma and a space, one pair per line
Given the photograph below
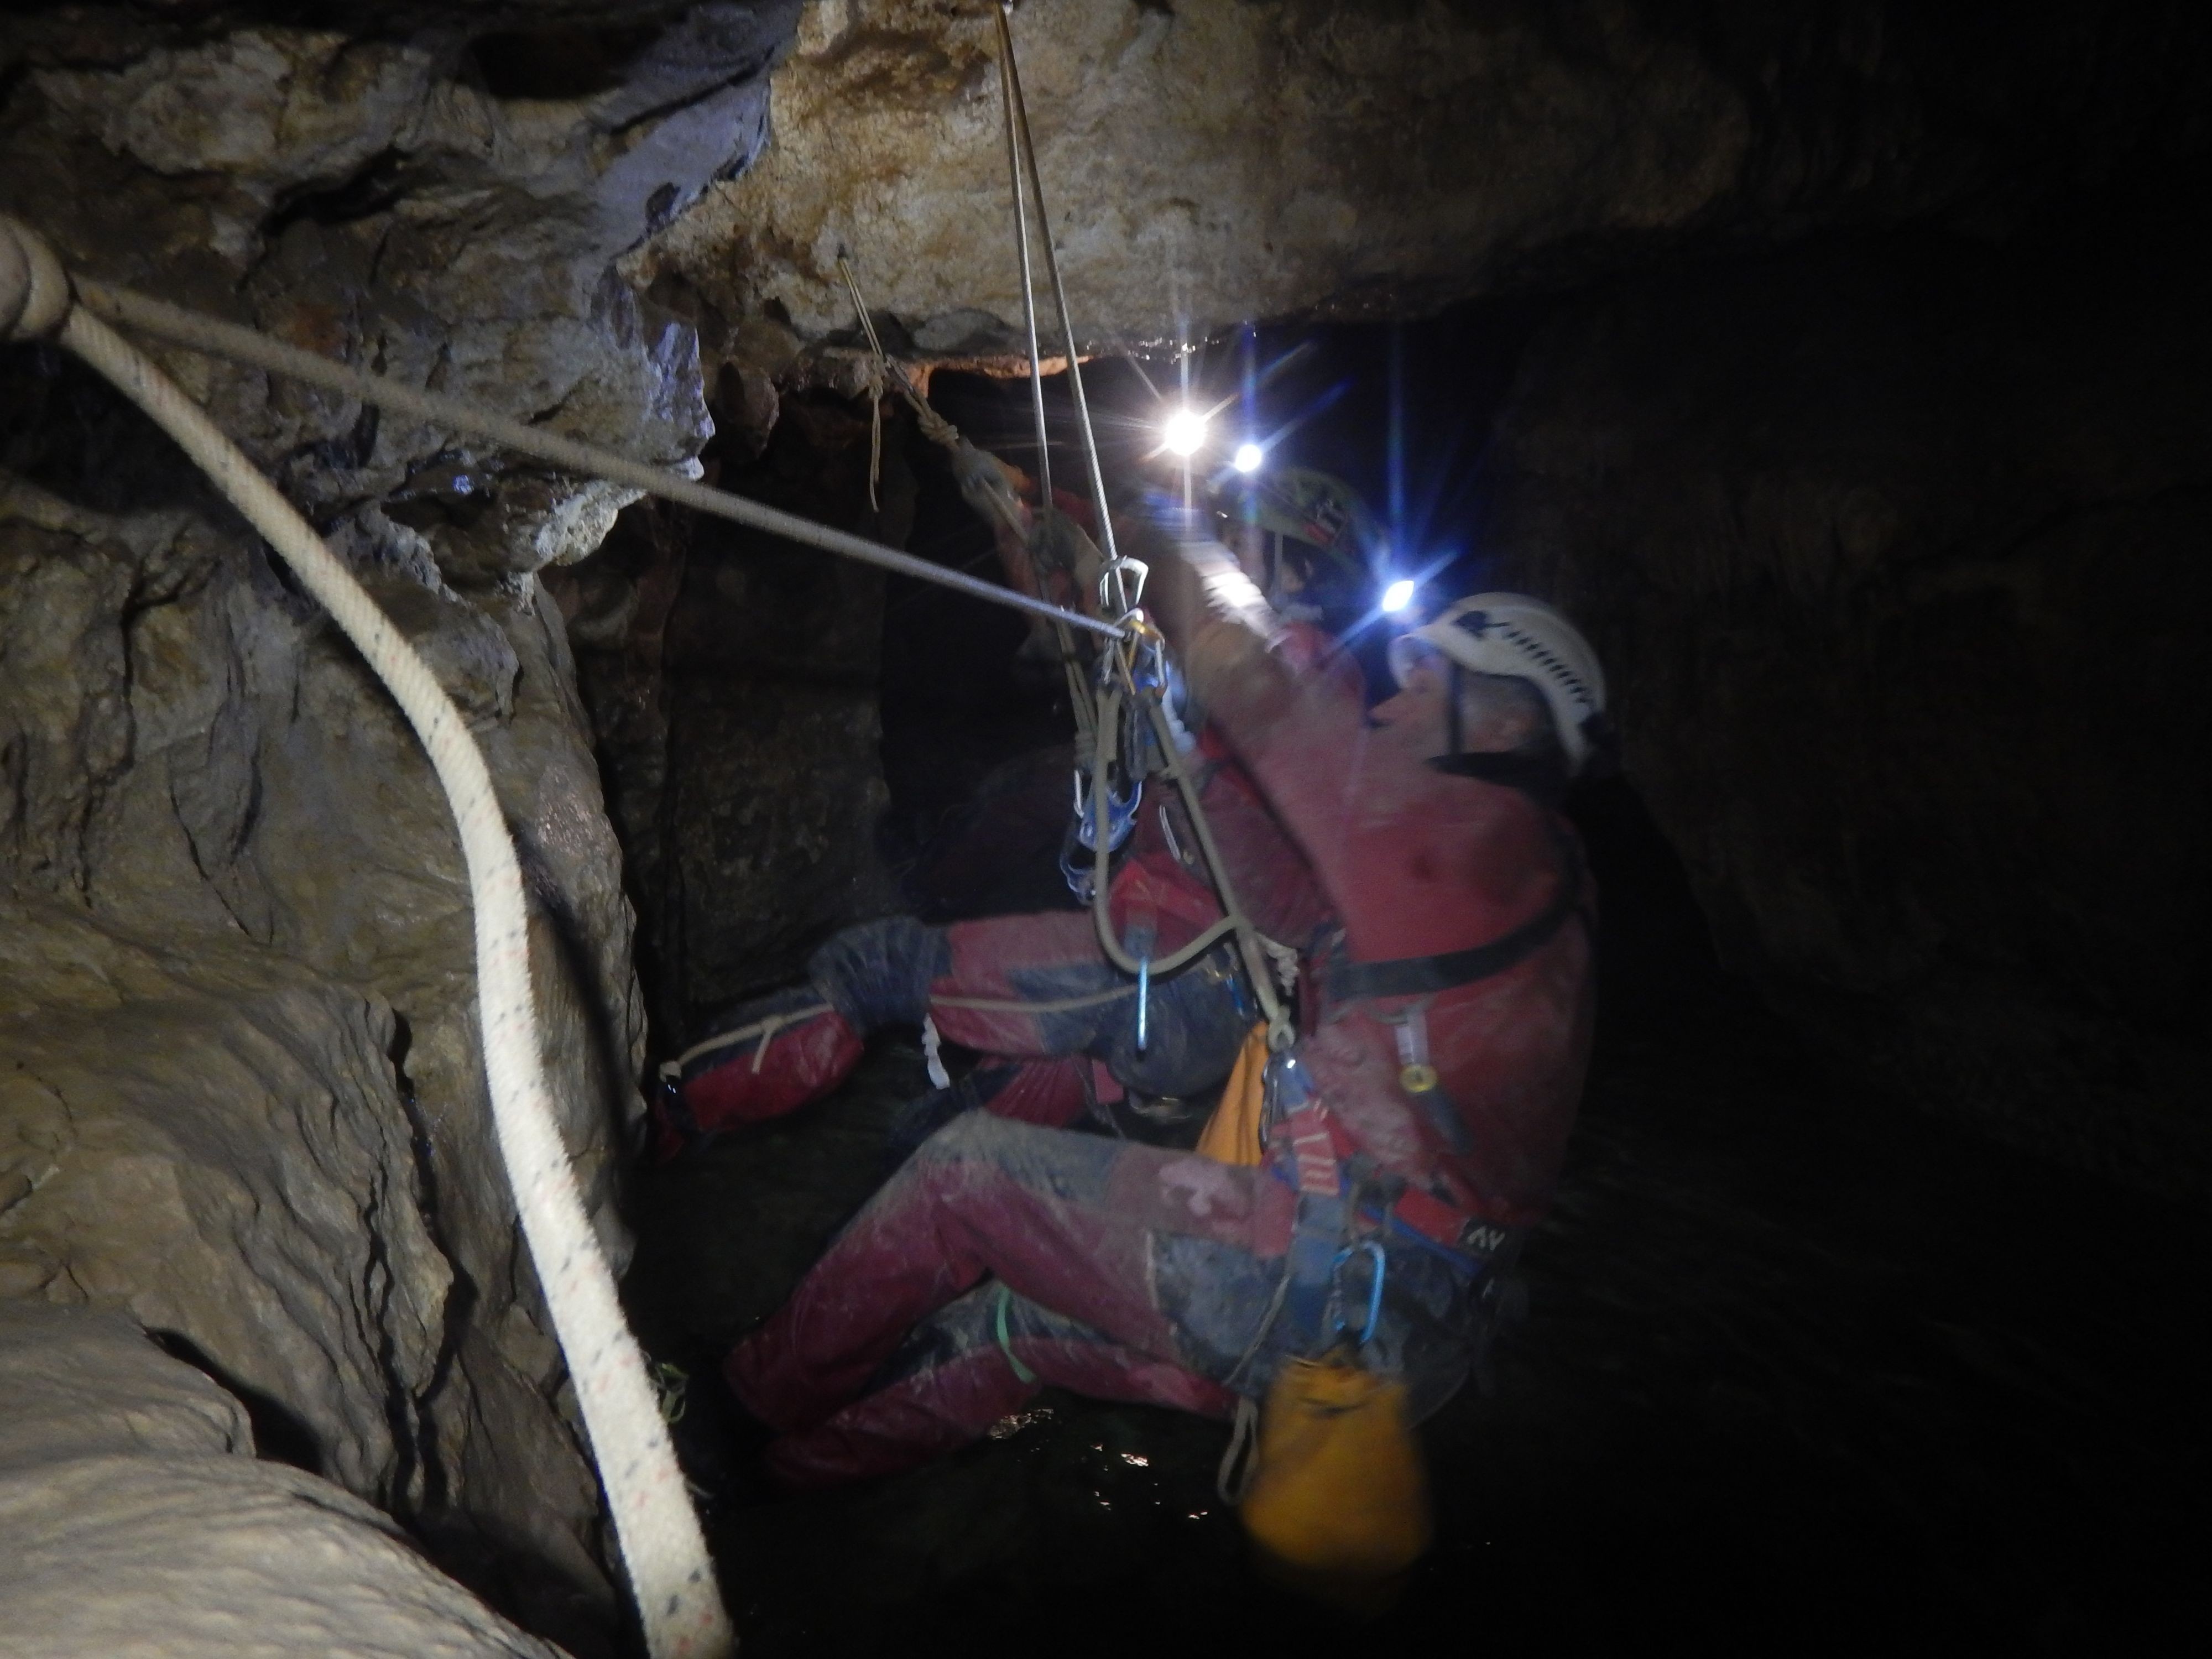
1450, 922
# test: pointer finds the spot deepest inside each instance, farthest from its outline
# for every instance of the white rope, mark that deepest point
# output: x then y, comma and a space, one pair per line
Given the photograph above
662, 1548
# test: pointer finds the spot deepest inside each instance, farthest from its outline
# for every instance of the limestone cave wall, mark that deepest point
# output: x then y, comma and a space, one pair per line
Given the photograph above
243, 1095
733, 685
1213, 161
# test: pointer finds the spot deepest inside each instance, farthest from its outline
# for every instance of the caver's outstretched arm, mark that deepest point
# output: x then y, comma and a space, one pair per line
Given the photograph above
988, 486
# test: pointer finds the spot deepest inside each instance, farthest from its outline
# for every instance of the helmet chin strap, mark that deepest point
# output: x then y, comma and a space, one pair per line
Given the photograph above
1543, 778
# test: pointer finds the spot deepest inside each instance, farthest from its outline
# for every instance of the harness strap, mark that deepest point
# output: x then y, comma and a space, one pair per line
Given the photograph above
1413, 976
1458, 1230
1320, 1150
1542, 777
1310, 1273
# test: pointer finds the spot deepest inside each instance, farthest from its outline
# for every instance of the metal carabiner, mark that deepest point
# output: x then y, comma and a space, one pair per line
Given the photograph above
1121, 814
1114, 595
1371, 1248
1143, 998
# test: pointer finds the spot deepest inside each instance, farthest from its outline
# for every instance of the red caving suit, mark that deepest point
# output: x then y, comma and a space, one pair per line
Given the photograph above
1006, 1254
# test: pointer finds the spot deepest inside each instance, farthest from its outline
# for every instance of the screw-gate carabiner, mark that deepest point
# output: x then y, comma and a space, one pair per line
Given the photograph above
1371, 1248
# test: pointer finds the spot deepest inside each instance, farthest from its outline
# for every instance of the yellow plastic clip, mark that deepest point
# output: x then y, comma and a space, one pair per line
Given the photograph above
1415, 1075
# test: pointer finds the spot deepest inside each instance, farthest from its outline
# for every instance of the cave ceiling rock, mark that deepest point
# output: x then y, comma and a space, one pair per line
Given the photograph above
390, 200
1207, 162
1204, 162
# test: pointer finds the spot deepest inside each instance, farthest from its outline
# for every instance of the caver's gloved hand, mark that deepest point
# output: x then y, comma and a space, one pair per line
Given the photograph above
774, 1054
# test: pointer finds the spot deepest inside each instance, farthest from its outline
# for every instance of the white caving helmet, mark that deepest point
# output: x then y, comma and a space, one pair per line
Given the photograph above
1512, 634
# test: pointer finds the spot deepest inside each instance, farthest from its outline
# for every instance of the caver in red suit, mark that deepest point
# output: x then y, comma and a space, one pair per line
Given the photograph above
1423, 1112
1035, 995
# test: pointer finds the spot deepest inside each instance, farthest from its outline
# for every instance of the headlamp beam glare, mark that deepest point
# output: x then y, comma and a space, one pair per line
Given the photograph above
1184, 432
1399, 594
1248, 458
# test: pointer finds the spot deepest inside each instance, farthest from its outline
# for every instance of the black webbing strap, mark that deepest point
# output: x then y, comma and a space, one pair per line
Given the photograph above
1413, 976
1542, 777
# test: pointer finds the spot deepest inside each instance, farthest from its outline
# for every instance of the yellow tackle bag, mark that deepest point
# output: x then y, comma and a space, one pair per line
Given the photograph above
1336, 1503
1338, 1508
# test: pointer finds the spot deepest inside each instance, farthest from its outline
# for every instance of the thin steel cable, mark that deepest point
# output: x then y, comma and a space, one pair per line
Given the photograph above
1029, 278
1020, 109
879, 372
1069, 664
168, 322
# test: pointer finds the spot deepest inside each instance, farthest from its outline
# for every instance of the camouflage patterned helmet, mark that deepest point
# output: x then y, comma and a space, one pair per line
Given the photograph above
1319, 509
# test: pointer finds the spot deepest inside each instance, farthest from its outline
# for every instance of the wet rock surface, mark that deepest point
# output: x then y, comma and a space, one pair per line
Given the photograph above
134, 1505
1798, 1372
245, 1091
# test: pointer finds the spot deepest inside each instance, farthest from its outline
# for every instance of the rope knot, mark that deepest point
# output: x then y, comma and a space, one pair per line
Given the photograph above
934, 427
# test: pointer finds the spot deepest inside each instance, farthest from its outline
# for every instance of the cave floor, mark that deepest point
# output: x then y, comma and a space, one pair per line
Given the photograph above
1797, 1375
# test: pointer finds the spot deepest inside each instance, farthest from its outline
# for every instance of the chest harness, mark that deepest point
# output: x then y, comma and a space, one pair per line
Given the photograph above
1347, 1204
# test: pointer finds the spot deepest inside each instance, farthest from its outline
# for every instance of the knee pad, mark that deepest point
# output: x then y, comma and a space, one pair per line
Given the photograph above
1195, 1024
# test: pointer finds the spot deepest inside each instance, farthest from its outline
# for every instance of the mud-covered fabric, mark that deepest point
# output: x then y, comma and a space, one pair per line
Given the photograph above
878, 972
1074, 1001
1052, 1092
801, 1051
895, 971
957, 1376
1418, 864
1134, 1273
1064, 1002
